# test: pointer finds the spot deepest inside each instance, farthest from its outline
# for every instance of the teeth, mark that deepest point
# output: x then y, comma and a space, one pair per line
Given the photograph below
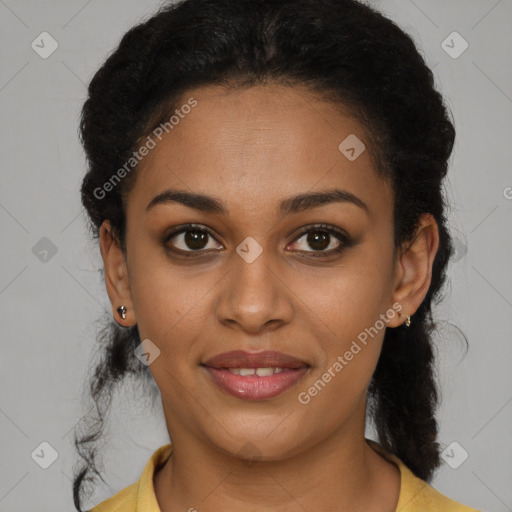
261, 372
264, 372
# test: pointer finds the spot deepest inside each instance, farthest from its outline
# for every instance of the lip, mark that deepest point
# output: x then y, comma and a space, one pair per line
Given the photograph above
264, 359
255, 387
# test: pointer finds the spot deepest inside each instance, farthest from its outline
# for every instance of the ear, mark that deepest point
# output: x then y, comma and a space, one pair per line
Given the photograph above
413, 270
116, 275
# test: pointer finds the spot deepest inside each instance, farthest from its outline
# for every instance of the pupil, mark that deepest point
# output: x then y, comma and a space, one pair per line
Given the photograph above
195, 239
318, 242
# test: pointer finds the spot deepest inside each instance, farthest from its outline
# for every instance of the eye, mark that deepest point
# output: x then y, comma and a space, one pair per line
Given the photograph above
323, 239
190, 238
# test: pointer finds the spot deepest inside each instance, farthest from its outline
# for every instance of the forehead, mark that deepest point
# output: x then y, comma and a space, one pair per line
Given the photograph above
256, 145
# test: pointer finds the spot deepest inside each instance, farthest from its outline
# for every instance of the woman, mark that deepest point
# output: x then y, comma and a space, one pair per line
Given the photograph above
265, 183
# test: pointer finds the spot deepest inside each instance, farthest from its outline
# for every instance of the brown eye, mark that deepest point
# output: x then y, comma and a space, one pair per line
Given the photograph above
196, 239
190, 239
318, 240
323, 239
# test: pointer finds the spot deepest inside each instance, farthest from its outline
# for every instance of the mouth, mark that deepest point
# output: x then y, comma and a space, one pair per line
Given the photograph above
256, 375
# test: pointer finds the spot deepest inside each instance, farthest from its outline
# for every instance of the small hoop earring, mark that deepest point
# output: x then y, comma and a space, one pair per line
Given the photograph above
122, 312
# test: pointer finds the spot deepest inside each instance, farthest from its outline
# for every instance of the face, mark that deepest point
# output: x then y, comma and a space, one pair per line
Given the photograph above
312, 278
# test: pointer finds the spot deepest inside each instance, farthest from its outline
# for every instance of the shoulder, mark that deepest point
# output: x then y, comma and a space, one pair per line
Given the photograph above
139, 496
125, 500
416, 495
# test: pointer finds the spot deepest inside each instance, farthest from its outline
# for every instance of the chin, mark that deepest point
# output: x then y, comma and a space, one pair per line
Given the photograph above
259, 442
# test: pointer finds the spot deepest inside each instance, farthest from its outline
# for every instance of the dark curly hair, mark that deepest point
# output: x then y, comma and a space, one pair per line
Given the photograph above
343, 51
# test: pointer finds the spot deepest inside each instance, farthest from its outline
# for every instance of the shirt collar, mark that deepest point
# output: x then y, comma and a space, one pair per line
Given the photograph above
146, 497
410, 484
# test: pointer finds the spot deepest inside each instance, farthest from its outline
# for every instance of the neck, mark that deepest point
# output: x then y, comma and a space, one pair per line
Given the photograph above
341, 472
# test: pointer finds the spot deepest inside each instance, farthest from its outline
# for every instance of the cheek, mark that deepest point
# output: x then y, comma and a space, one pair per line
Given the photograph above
345, 311
167, 299
337, 389
169, 312
346, 300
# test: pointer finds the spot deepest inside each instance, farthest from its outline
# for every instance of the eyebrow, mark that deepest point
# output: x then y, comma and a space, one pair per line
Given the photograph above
288, 206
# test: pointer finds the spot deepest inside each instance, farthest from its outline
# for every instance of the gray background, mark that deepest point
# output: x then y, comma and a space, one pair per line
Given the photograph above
49, 303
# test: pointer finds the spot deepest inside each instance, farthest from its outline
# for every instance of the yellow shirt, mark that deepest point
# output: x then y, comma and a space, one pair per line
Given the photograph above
416, 495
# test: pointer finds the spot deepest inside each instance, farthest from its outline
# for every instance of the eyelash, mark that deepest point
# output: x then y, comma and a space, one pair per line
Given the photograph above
345, 240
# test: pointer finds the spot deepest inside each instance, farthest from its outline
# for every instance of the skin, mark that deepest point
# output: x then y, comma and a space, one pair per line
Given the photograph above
252, 148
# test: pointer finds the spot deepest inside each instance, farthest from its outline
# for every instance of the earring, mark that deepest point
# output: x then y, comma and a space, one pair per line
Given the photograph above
408, 321
122, 311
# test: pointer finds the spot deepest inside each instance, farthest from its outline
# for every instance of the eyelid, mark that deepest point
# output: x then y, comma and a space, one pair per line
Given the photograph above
183, 229
341, 235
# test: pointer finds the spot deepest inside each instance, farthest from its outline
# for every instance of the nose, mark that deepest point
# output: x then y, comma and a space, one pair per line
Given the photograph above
254, 298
